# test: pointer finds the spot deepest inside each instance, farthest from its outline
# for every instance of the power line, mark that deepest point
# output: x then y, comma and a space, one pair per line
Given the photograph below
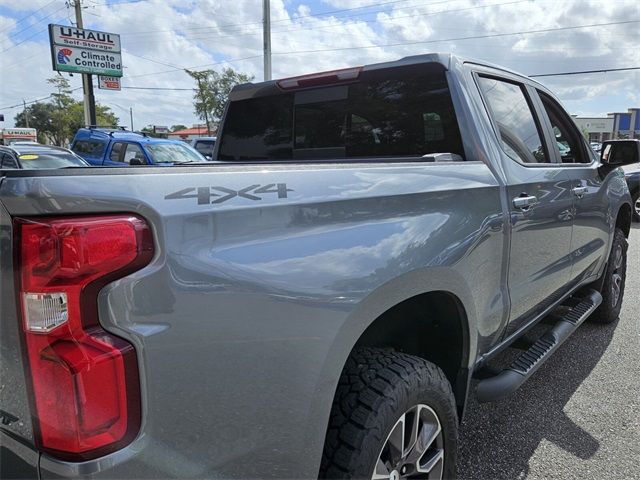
577, 72
155, 61
323, 28
35, 101
581, 72
31, 26
258, 31
50, 15
30, 15
285, 19
195, 66
160, 88
473, 37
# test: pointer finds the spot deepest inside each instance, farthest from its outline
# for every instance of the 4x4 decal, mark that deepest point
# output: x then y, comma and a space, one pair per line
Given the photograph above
209, 195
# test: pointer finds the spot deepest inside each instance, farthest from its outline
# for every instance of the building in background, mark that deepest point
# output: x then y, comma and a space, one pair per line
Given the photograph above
190, 133
626, 125
596, 129
614, 125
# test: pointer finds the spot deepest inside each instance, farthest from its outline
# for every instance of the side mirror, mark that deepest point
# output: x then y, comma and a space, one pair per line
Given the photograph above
619, 153
136, 161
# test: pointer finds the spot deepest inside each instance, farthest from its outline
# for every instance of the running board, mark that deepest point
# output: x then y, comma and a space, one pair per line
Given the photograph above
510, 379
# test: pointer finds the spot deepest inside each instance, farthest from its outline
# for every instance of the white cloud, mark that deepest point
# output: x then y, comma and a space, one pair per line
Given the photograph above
174, 34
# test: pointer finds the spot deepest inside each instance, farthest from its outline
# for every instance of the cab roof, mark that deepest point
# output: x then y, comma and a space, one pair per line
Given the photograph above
107, 134
442, 61
25, 148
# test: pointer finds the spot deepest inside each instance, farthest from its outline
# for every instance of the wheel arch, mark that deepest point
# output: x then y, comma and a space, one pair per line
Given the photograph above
432, 325
624, 218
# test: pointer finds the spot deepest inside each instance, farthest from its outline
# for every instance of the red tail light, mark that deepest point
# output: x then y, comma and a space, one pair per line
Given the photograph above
85, 384
322, 78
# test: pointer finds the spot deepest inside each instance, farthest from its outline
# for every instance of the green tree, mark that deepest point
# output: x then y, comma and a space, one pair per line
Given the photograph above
212, 91
150, 133
59, 119
40, 117
175, 128
104, 116
61, 116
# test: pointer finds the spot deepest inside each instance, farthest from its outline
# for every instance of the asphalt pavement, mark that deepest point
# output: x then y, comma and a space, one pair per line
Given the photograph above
578, 417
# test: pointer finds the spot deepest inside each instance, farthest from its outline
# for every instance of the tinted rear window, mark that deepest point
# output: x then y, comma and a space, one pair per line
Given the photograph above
403, 113
91, 148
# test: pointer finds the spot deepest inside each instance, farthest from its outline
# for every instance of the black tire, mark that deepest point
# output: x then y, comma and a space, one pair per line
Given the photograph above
376, 388
609, 309
635, 202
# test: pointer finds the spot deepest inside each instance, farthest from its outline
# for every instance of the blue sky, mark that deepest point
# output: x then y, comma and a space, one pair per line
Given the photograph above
161, 37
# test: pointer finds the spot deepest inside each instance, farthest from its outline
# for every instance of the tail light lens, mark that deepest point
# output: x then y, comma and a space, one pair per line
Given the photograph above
85, 384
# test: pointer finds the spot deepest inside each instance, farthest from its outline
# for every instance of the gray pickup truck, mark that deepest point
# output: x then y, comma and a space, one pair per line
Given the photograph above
321, 303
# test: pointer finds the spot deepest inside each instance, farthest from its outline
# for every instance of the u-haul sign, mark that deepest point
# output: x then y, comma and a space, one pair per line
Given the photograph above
83, 38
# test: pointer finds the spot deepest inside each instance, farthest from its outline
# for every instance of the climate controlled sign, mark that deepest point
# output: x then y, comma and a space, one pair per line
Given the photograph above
79, 50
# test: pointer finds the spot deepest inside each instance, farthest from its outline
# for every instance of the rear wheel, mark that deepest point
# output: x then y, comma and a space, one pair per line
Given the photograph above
394, 417
614, 281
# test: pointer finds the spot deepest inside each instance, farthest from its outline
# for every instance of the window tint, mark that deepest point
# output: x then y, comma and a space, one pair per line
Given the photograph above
7, 161
519, 132
569, 140
89, 148
257, 129
433, 128
403, 113
205, 147
134, 151
116, 152
320, 125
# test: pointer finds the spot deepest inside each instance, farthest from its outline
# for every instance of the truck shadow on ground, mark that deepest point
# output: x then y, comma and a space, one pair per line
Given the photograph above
498, 439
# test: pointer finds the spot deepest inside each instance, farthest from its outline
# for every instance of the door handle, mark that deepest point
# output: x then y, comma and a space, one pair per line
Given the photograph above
524, 202
579, 191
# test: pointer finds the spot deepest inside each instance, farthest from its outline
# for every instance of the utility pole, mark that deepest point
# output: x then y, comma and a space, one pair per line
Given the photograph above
87, 80
26, 113
131, 114
266, 36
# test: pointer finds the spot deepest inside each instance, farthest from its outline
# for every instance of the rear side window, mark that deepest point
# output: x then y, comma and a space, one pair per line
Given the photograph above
116, 152
403, 113
133, 151
90, 148
569, 140
205, 147
519, 132
7, 161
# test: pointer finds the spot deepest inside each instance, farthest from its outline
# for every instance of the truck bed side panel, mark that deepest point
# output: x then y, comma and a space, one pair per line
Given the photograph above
263, 279
16, 435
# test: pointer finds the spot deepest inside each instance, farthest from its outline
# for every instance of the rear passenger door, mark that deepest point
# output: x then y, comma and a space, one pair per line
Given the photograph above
591, 231
123, 152
539, 200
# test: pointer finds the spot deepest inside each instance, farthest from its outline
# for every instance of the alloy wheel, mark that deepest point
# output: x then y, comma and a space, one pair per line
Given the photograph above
414, 449
616, 278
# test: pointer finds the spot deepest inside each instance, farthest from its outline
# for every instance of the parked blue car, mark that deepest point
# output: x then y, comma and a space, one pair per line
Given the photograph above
119, 147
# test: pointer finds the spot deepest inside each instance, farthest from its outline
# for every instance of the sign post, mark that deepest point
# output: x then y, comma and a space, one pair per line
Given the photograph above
89, 52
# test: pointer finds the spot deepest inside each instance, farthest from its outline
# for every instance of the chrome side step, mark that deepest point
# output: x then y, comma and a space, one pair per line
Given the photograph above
510, 379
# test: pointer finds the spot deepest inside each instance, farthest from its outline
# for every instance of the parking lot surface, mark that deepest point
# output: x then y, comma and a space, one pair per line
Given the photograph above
578, 417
